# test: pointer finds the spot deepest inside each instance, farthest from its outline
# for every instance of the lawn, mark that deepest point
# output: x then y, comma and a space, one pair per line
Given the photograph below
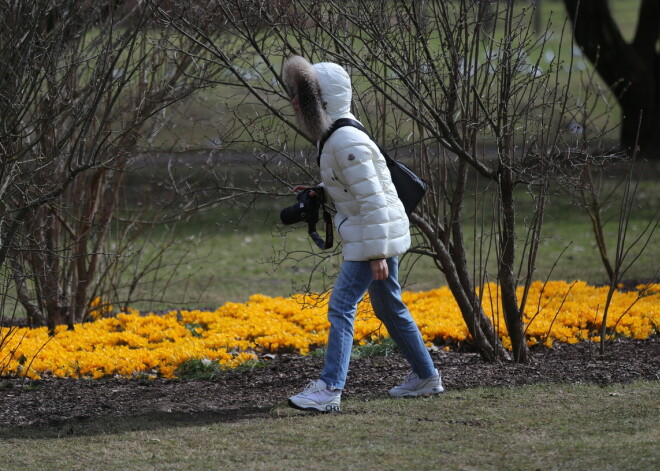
549, 427
236, 252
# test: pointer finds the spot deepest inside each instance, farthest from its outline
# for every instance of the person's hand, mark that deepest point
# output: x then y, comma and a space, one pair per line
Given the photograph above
298, 188
379, 269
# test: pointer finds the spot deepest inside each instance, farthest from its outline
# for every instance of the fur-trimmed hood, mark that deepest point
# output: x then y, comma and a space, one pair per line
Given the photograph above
323, 92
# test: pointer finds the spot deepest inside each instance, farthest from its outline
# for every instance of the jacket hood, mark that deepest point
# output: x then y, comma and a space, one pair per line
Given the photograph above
323, 93
335, 88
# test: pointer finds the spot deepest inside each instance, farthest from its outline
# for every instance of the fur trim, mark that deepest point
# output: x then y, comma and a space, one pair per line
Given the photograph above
303, 84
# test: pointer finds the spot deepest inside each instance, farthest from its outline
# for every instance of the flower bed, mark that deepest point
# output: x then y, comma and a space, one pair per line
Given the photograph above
130, 344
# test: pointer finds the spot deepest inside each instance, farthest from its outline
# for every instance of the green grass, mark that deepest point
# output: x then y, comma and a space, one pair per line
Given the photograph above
231, 262
549, 427
236, 252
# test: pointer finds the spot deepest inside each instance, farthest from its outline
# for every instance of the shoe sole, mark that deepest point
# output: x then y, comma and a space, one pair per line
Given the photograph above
324, 409
432, 392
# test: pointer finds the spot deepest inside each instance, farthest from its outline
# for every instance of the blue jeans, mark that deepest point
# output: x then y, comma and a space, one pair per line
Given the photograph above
355, 278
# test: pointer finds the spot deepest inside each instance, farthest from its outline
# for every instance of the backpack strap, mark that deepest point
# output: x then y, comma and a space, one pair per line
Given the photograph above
340, 123
409, 187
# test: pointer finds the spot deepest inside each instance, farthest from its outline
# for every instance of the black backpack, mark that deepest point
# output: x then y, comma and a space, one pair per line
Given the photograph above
409, 187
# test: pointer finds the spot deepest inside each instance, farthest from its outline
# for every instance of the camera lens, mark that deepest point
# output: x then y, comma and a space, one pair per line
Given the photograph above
292, 214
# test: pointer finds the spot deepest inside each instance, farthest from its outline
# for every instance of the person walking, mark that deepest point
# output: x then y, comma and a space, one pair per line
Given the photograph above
373, 226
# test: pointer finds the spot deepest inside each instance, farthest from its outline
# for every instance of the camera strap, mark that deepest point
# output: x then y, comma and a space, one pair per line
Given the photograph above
329, 237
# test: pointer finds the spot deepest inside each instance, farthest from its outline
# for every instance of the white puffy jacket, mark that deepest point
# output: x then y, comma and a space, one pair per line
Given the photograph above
370, 219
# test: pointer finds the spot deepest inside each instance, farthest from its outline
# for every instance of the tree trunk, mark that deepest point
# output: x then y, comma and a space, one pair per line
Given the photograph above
484, 337
506, 263
631, 70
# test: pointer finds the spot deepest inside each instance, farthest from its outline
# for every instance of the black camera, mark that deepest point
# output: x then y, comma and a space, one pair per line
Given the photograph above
307, 210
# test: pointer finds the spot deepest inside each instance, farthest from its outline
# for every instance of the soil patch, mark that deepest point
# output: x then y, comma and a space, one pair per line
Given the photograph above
54, 402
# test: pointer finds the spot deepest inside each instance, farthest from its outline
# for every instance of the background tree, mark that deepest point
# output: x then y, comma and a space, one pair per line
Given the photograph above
81, 83
630, 69
463, 91
459, 89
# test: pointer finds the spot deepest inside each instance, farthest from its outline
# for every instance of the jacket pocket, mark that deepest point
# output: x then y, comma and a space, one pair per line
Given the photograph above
339, 226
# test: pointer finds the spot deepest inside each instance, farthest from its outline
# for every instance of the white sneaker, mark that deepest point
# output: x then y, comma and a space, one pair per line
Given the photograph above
415, 386
317, 396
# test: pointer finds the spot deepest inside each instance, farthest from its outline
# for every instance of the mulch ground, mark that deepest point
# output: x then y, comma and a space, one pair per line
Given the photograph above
55, 401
